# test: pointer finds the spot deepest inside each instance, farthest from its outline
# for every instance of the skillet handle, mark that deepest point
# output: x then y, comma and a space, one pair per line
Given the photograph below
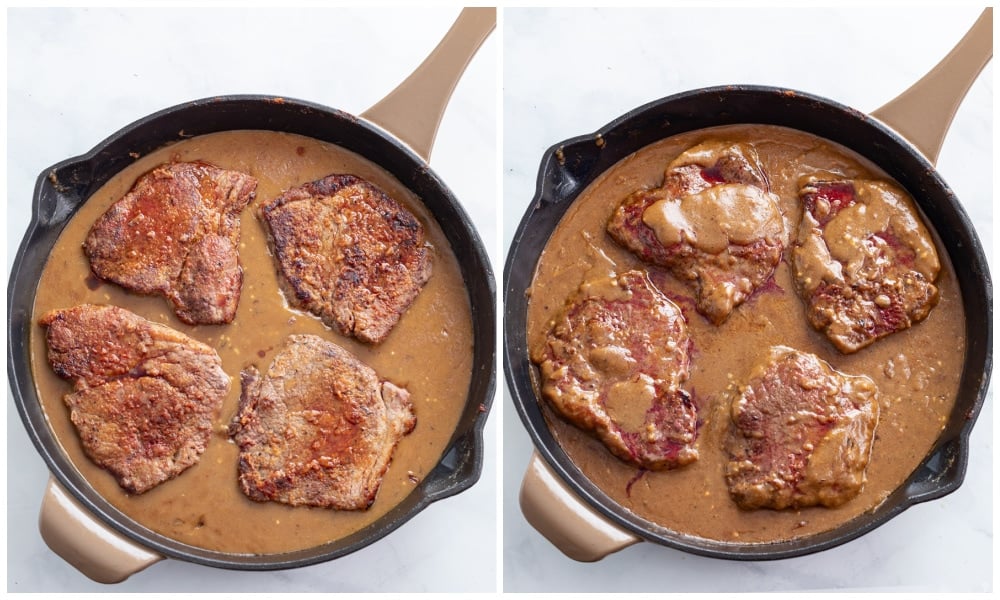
923, 113
413, 111
558, 514
88, 545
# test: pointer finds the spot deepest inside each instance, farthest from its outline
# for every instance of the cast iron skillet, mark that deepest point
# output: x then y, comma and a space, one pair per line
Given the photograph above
63, 188
569, 167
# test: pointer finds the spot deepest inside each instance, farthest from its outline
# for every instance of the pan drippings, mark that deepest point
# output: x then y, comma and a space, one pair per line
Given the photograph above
204, 506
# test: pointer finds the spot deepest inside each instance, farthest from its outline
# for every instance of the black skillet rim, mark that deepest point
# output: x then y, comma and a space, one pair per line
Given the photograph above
60, 189
568, 167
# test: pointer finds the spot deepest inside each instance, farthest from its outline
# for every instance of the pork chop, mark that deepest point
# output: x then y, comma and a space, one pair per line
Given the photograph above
319, 428
864, 263
176, 234
348, 253
613, 364
713, 223
144, 395
801, 433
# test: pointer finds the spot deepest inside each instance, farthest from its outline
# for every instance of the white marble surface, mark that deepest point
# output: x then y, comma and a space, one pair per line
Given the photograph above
569, 72
77, 75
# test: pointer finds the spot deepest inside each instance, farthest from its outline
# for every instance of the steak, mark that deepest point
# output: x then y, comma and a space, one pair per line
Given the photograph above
801, 433
144, 395
864, 263
613, 364
713, 223
319, 428
176, 234
347, 253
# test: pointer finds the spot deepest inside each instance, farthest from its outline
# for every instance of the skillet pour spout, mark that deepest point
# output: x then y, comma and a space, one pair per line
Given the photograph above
554, 486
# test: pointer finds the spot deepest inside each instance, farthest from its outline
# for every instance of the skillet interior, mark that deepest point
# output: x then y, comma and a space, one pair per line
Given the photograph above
63, 188
568, 168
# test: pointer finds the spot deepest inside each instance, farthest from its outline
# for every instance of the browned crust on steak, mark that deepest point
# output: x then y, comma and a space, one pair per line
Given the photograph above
801, 433
613, 364
144, 395
176, 234
347, 253
319, 428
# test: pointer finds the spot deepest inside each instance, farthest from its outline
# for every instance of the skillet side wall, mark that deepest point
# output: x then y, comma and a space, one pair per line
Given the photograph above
569, 167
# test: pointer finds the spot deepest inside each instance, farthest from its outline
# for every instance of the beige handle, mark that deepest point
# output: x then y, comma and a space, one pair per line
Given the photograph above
558, 514
81, 540
923, 113
413, 111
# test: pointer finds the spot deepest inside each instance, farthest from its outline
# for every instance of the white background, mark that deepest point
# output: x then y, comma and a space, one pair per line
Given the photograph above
569, 72
76, 76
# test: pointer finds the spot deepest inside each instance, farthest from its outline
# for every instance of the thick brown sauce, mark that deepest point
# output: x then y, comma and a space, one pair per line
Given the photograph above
917, 371
203, 506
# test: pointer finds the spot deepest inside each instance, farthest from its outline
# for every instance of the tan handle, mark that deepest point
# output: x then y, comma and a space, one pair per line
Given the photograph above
413, 111
81, 540
923, 113
558, 514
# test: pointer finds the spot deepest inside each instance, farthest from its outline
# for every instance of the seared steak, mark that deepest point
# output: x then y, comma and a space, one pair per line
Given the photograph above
801, 433
319, 428
348, 253
613, 365
713, 223
176, 234
864, 263
144, 396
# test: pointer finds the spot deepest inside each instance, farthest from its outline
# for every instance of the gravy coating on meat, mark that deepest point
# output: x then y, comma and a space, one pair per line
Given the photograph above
176, 234
348, 253
613, 364
801, 433
713, 222
205, 507
916, 370
144, 396
318, 428
864, 263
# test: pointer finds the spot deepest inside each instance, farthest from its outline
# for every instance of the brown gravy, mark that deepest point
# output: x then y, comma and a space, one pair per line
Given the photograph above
204, 506
917, 371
